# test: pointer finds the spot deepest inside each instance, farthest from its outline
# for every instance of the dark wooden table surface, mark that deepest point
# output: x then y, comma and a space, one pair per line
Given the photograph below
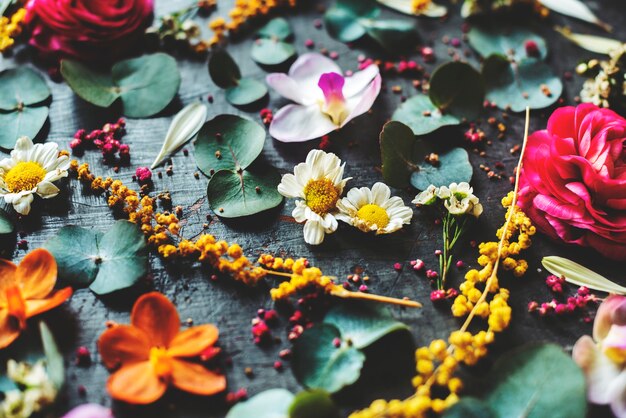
230, 306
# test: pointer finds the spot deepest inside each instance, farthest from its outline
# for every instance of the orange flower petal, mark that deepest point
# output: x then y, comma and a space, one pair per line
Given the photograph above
8, 333
193, 341
196, 379
136, 384
37, 306
37, 274
7, 278
123, 344
157, 317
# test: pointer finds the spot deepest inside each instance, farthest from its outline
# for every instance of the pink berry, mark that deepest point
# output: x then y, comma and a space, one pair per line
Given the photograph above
532, 49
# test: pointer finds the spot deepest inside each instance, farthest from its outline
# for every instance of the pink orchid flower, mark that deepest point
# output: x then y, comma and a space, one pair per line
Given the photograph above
603, 358
325, 99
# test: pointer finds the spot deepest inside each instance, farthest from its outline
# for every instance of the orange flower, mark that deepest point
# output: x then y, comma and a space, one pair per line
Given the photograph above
151, 354
27, 290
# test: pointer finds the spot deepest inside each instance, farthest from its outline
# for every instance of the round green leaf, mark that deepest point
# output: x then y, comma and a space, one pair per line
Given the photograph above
243, 193
21, 86
396, 147
454, 167
105, 262
537, 381
25, 122
228, 142
343, 19
223, 70
6, 224
273, 403
271, 51
246, 92
313, 404
393, 35
517, 85
94, 87
510, 42
419, 114
362, 324
457, 88
469, 407
277, 28
146, 84
318, 364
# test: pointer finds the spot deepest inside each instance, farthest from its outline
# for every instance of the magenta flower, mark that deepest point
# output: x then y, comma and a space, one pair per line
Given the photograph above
325, 99
89, 410
603, 358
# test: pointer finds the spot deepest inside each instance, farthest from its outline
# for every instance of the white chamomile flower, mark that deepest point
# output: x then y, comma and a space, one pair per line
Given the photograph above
374, 210
319, 182
427, 197
30, 170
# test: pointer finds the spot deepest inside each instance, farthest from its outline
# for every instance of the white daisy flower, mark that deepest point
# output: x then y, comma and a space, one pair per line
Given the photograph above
427, 197
31, 170
374, 210
319, 182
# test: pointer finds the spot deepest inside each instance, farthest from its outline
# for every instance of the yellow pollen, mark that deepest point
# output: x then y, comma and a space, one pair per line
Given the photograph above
24, 176
373, 215
321, 196
420, 5
618, 355
161, 362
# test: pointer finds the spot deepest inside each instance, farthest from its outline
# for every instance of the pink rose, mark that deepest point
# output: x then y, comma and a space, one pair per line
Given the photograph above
573, 183
87, 29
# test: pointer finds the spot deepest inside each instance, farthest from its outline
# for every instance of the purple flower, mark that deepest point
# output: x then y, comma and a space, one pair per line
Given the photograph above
325, 100
89, 410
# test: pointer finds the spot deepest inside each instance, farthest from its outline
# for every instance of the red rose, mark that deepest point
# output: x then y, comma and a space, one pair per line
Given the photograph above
573, 182
87, 29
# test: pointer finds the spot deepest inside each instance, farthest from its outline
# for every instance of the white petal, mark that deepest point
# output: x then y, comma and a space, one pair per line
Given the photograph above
22, 149
329, 223
296, 123
599, 370
313, 233
22, 205
289, 187
617, 395
309, 67
299, 212
287, 87
359, 197
362, 102
392, 203
380, 193
47, 190
359, 80
346, 206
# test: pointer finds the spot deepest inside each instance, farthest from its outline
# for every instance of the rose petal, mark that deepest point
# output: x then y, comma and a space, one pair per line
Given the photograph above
196, 379
136, 384
363, 101
296, 123
157, 317
123, 344
37, 274
193, 341
599, 370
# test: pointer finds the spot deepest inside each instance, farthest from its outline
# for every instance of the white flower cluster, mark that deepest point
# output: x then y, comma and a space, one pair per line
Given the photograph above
458, 199
37, 390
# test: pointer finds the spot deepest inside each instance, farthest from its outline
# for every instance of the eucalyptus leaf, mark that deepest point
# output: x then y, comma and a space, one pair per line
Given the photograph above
145, 85
517, 85
277, 28
223, 69
575, 8
593, 43
318, 364
22, 109
362, 324
469, 407
454, 166
184, 126
458, 89
54, 359
392, 34
228, 142
247, 91
271, 51
272, 403
396, 147
233, 194
536, 381
403, 6
106, 262
422, 116
507, 41
580, 275
313, 404
6, 224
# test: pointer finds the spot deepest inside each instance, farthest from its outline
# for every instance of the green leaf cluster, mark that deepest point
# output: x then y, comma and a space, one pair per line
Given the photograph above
319, 363
225, 73
535, 381
350, 20
513, 78
144, 85
23, 112
106, 262
280, 403
271, 46
456, 92
404, 160
226, 148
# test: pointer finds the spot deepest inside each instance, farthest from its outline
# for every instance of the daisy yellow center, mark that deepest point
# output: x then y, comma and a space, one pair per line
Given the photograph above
161, 362
321, 195
373, 215
24, 176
